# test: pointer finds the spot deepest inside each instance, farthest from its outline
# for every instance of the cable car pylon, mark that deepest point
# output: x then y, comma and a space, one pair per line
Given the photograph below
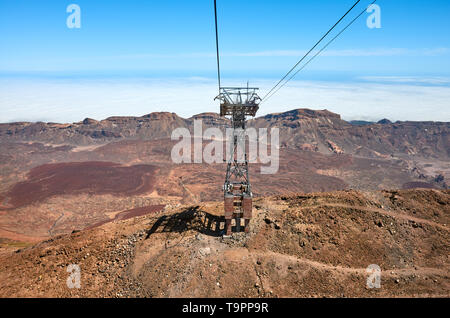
237, 103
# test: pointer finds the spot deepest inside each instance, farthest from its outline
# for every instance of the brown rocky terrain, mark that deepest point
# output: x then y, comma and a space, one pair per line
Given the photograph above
298, 128
56, 178
327, 130
302, 245
106, 195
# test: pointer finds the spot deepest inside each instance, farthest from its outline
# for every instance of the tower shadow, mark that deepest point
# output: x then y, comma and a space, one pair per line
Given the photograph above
192, 218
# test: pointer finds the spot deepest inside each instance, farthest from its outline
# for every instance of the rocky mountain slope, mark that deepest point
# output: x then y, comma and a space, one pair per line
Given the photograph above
322, 131
56, 178
307, 245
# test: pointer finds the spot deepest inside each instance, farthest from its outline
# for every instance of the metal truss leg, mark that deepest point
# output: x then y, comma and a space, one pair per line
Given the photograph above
228, 227
247, 225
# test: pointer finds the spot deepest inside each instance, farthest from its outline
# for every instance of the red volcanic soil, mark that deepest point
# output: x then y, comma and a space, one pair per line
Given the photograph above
82, 177
418, 185
128, 214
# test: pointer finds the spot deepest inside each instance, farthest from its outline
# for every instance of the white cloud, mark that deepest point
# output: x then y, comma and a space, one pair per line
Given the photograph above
388, 52
73, 100
289, 53
367, 101
344, 53
438, 80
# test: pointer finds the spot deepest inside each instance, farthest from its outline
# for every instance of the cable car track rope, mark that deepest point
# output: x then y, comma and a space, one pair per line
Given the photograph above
217, 44
318, 42
280, 83
266, 97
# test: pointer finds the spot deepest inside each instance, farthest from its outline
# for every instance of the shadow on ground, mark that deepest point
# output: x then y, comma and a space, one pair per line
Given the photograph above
192, 218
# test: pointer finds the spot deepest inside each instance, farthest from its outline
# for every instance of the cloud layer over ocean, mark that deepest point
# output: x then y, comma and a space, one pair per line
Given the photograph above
71, 100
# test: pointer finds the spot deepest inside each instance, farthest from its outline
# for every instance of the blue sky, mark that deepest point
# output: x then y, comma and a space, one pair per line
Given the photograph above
125, 42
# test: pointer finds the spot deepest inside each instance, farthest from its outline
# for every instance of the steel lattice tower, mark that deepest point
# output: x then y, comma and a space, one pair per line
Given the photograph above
238, 103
